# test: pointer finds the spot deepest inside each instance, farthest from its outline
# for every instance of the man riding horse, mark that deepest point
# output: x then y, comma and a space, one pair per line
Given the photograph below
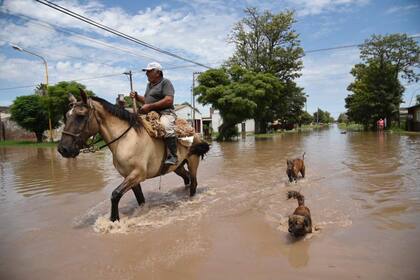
159, 97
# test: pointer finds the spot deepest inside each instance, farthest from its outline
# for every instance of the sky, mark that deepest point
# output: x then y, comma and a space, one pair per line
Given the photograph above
197, 30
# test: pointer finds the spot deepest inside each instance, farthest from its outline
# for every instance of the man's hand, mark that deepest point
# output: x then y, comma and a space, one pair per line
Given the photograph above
133, 94
146, 108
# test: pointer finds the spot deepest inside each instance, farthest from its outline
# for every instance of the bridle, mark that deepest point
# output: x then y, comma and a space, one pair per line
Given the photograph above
91, 148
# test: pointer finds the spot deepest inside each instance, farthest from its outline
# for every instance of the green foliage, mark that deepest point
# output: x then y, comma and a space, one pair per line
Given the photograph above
266, 42
351, 126
226, 93
257, 81
30, 113
399, 51
342, 118
376, 94
57, 97
322, 117
306, 118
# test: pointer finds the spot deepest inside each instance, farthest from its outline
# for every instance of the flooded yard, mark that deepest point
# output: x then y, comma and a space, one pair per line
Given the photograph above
362, 189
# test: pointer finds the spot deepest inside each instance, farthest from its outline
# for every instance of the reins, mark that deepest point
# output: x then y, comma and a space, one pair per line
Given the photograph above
92, 148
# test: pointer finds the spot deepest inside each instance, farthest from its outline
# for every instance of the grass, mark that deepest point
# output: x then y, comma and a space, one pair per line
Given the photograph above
351, 126
26, 143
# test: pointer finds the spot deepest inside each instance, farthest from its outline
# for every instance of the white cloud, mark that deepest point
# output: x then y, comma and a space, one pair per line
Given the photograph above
402, 9
315, 7
326, 77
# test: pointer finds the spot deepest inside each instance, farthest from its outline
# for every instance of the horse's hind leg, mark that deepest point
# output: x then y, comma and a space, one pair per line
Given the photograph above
193, 162
184, 174
139, 194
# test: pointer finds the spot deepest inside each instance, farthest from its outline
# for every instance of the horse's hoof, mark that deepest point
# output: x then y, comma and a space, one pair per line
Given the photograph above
113, 219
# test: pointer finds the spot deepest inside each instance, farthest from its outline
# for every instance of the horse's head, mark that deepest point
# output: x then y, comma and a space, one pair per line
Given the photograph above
81, 124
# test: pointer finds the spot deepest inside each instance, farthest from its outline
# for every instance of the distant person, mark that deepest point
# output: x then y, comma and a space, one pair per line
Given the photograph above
159, 97
380, 124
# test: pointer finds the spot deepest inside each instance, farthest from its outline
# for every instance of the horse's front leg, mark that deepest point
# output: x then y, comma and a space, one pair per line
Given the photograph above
131, 181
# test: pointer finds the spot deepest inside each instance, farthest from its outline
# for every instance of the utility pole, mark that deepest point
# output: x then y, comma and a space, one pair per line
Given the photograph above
130, 76
193, 98
317, 116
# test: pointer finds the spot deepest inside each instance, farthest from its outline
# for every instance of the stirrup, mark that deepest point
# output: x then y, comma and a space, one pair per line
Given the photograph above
171, 160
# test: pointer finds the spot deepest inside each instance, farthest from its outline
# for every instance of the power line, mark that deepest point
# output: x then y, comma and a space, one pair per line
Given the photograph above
53, 27
347, 46
18, 87
115, 32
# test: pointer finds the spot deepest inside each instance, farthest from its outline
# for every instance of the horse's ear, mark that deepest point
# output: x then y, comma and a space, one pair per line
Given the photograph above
72, 99
83, 95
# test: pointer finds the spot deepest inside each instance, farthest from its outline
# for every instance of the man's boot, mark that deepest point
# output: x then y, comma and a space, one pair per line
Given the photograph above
172, 158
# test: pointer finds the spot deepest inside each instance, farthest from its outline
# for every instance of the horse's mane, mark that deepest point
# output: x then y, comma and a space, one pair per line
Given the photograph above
119, 112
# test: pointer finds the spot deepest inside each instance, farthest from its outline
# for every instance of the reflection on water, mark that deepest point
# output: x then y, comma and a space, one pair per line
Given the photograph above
385, 167
41, 171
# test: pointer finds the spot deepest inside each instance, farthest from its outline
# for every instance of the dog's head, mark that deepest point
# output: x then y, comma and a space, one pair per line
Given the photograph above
298, 225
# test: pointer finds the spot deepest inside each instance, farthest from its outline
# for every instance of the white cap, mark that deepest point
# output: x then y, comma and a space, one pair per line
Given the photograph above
153, 65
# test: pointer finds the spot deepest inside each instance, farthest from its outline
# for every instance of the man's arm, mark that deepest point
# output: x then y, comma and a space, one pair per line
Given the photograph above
164, 103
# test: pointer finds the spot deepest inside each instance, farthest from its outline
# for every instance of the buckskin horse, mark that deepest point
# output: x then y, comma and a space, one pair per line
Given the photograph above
136, 155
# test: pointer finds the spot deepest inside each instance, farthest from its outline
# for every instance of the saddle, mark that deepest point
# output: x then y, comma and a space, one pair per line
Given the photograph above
151, 122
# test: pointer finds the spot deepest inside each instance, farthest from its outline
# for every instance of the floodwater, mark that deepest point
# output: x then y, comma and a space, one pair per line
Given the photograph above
362, 188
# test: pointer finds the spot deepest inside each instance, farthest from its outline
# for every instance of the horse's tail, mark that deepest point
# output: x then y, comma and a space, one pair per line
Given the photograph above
199, 149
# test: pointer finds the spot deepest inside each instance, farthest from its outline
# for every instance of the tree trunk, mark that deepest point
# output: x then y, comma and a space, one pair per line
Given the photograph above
39, 136
260, 126
226, 131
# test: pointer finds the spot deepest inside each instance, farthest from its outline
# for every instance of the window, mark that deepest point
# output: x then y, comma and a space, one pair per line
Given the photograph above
417, 116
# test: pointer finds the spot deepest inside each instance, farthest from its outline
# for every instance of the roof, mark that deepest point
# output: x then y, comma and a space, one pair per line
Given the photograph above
413, 107
182, 106
4, 109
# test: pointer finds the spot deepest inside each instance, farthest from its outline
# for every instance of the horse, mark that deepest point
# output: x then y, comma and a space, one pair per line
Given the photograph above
136, 155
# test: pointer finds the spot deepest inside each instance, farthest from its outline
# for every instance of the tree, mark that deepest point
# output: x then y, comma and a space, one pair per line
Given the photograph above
290, 107
342, 118
266, 42
30, 113
417, 99
377, 91
305, 118
322, 117
225, 93
376, 94
57, 97
398, 50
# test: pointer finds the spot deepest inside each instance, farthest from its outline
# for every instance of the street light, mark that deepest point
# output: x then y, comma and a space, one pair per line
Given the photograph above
15, 47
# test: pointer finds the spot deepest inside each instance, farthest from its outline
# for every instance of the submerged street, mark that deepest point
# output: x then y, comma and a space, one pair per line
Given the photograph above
362, 189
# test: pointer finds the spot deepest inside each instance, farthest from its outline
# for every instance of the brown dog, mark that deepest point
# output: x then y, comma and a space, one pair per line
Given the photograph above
300, 223
294, 166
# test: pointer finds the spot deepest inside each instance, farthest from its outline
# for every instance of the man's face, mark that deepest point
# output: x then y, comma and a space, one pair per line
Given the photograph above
153, 75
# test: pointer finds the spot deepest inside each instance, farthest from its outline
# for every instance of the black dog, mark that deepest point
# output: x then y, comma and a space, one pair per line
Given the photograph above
300, 223
294, 166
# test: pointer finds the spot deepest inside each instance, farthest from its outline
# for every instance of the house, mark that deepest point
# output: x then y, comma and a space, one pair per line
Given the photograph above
185, 111
247, 126
10, 130
413, 118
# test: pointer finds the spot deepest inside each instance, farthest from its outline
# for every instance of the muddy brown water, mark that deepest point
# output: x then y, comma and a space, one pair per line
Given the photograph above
362, 188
